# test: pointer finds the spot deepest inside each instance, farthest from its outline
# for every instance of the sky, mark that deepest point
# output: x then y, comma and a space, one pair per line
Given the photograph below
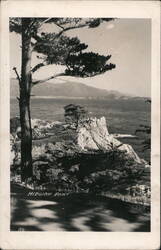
127, 40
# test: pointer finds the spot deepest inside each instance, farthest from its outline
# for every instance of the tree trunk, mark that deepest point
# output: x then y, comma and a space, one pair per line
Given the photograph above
24, 103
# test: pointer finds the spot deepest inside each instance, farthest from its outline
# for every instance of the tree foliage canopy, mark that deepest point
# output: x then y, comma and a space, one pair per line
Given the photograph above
58, 48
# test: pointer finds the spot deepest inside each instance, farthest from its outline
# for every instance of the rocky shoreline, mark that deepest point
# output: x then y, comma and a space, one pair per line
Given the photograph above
82, 158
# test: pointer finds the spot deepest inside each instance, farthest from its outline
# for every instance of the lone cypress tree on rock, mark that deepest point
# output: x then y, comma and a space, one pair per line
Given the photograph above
74, 113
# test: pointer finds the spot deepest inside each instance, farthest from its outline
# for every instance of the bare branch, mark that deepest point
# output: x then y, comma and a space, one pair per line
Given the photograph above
18, 77
64, 74
46, 20
47, 79
59, 25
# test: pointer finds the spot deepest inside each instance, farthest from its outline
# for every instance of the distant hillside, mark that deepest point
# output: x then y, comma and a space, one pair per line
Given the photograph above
67, 89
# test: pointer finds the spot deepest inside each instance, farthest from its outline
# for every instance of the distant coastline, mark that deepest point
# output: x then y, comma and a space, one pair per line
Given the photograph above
72, 90
56, 97
87, 98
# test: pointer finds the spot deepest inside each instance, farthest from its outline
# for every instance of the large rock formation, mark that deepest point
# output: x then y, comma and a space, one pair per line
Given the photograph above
93, 135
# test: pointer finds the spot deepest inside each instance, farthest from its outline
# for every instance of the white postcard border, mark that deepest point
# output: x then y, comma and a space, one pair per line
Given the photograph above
78, 240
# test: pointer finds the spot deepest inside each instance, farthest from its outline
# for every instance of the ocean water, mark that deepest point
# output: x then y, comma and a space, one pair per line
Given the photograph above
122, 116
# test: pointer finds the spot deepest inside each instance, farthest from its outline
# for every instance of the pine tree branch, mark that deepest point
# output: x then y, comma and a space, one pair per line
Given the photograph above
38, 66
47, 79
72, 27
38, 38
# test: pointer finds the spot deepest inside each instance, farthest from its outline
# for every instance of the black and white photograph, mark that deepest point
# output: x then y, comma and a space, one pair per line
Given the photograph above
81, 123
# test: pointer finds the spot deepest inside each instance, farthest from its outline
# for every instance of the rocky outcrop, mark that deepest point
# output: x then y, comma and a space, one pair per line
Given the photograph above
40, 128
93, 135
